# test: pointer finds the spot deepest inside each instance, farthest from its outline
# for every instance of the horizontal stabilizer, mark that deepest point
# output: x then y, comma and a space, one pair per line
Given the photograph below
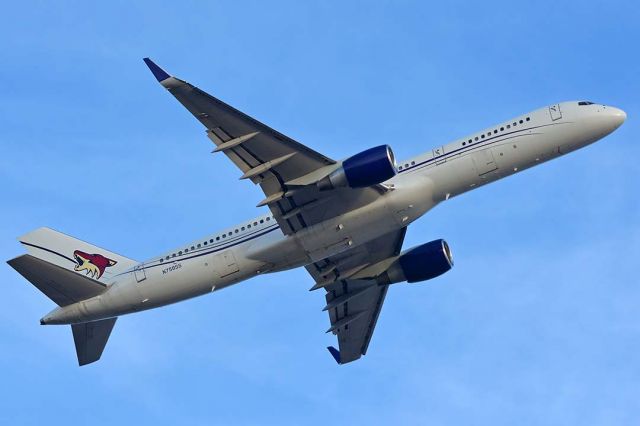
90, 339
61, 285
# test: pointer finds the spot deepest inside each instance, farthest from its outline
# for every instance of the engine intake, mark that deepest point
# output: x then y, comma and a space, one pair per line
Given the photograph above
420, 263
370, 167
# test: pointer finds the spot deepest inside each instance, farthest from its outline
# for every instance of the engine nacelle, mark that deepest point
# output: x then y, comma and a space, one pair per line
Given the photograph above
420, 263
370, 167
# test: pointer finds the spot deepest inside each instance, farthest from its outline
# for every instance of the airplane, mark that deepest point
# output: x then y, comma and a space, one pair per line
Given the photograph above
343, 220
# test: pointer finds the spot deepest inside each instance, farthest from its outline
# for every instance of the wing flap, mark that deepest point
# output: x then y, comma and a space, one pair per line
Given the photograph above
335, 302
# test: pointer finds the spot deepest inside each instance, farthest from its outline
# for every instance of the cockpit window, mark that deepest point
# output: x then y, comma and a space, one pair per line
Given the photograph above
585, 103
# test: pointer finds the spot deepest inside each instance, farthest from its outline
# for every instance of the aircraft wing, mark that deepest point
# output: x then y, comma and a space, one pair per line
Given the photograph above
354, 304
276, 162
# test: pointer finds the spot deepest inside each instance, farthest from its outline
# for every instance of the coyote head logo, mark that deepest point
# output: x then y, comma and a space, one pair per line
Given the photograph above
93, 264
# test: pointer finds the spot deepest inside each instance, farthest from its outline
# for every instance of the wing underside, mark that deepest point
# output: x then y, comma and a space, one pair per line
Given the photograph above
269, 159
354, 304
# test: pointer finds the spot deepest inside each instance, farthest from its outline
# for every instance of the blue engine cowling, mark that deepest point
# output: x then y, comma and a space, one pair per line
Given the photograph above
420, 263
370, 167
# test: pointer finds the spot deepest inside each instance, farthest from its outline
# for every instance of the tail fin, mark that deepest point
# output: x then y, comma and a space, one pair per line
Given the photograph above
67, 271
91, 338
75, 255
65, 287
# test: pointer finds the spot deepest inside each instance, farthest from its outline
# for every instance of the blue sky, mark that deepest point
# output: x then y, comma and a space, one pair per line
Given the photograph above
536, 324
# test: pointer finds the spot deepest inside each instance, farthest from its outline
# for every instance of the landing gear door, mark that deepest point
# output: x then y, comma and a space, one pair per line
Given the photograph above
554, 111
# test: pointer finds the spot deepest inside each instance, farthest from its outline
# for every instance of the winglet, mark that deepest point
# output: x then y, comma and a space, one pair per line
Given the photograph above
158, 72
334, 353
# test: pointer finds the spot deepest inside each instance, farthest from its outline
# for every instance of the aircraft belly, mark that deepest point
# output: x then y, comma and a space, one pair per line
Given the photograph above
275, 252
187, 279
199, 276
341, 233
527, 151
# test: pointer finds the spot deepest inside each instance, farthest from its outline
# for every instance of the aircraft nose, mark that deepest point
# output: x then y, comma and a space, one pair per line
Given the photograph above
616, 116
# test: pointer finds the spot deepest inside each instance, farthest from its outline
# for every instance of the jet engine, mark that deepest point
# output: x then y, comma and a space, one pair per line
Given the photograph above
420, 263
370, 167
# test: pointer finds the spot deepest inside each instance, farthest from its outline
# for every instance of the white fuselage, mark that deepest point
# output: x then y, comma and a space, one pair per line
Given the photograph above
259, 246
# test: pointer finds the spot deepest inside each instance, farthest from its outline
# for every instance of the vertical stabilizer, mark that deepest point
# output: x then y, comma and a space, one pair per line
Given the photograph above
75, 255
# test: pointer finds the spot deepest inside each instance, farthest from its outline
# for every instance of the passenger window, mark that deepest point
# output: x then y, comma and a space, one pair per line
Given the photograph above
261, 220
180, 253
482, 136
508, 126
476, 139
521, 121
502, 129
217, 238
211, 240
236, 231
464, 143
173, 255
527, 118
268, 219
200, 245
255, 223
495, 131
242, 229
413, 163
193, 248
161, 260
224, 235
205, 243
